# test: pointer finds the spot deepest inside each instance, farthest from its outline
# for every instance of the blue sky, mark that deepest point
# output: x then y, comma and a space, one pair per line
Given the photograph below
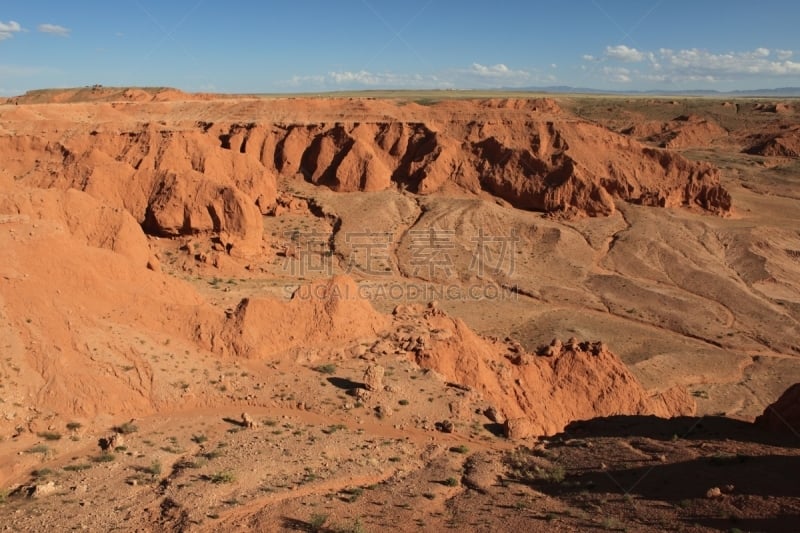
298, 46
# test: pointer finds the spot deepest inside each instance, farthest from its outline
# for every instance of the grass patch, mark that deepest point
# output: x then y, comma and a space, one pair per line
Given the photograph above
459, 449
353, 494
42, 472
225, 476
78, 467
329, 368
104, 458
49, 435
451, 482
39, 448
74, 426
317, 521
154, 469
199, 439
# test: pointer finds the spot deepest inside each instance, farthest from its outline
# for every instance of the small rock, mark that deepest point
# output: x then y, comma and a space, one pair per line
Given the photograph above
445, 426
492, 414
373, 377
573, 344
362, 395
714, 492
248, 422
517, 428
39, 491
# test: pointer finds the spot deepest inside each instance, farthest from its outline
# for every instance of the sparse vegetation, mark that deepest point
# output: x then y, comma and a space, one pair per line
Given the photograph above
127, 428
49, 435
74, 426
154, 469
353, 494
317, 521
328, 368
451, 482
39, 448
225, 476
524, 468
105, 457
42, 472
213, 454
333, 428
459, 449
78, 467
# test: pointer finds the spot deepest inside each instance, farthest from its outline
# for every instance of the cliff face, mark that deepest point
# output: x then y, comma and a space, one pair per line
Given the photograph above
193, 175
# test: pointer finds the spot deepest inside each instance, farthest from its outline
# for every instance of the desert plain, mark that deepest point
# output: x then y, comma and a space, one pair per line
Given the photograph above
398, 311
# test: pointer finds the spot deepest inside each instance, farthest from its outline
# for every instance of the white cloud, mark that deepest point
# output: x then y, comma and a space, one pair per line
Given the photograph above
8, 29
667, 65
54, 29
623, 53
376, 79
475, 76
496, 71
365, 79
617, 74
758, 62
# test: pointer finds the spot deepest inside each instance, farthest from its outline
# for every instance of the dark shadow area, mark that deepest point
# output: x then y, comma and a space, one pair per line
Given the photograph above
685, 427
780, 524
235, 422
421, 144
344, 383
293, 524
766, 476
495, 429
316, 524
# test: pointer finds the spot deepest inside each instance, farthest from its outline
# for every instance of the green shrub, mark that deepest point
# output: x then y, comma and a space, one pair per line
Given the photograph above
329, 368
80, 467
225, 476
317, 521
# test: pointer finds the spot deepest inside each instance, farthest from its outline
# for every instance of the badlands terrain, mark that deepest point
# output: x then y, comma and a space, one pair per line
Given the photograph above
409, 311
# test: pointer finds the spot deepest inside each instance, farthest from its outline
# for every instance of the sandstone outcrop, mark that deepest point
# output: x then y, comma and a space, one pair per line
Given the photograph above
783, 416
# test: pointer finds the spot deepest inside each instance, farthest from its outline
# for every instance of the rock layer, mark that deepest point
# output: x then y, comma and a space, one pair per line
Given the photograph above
527, 152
